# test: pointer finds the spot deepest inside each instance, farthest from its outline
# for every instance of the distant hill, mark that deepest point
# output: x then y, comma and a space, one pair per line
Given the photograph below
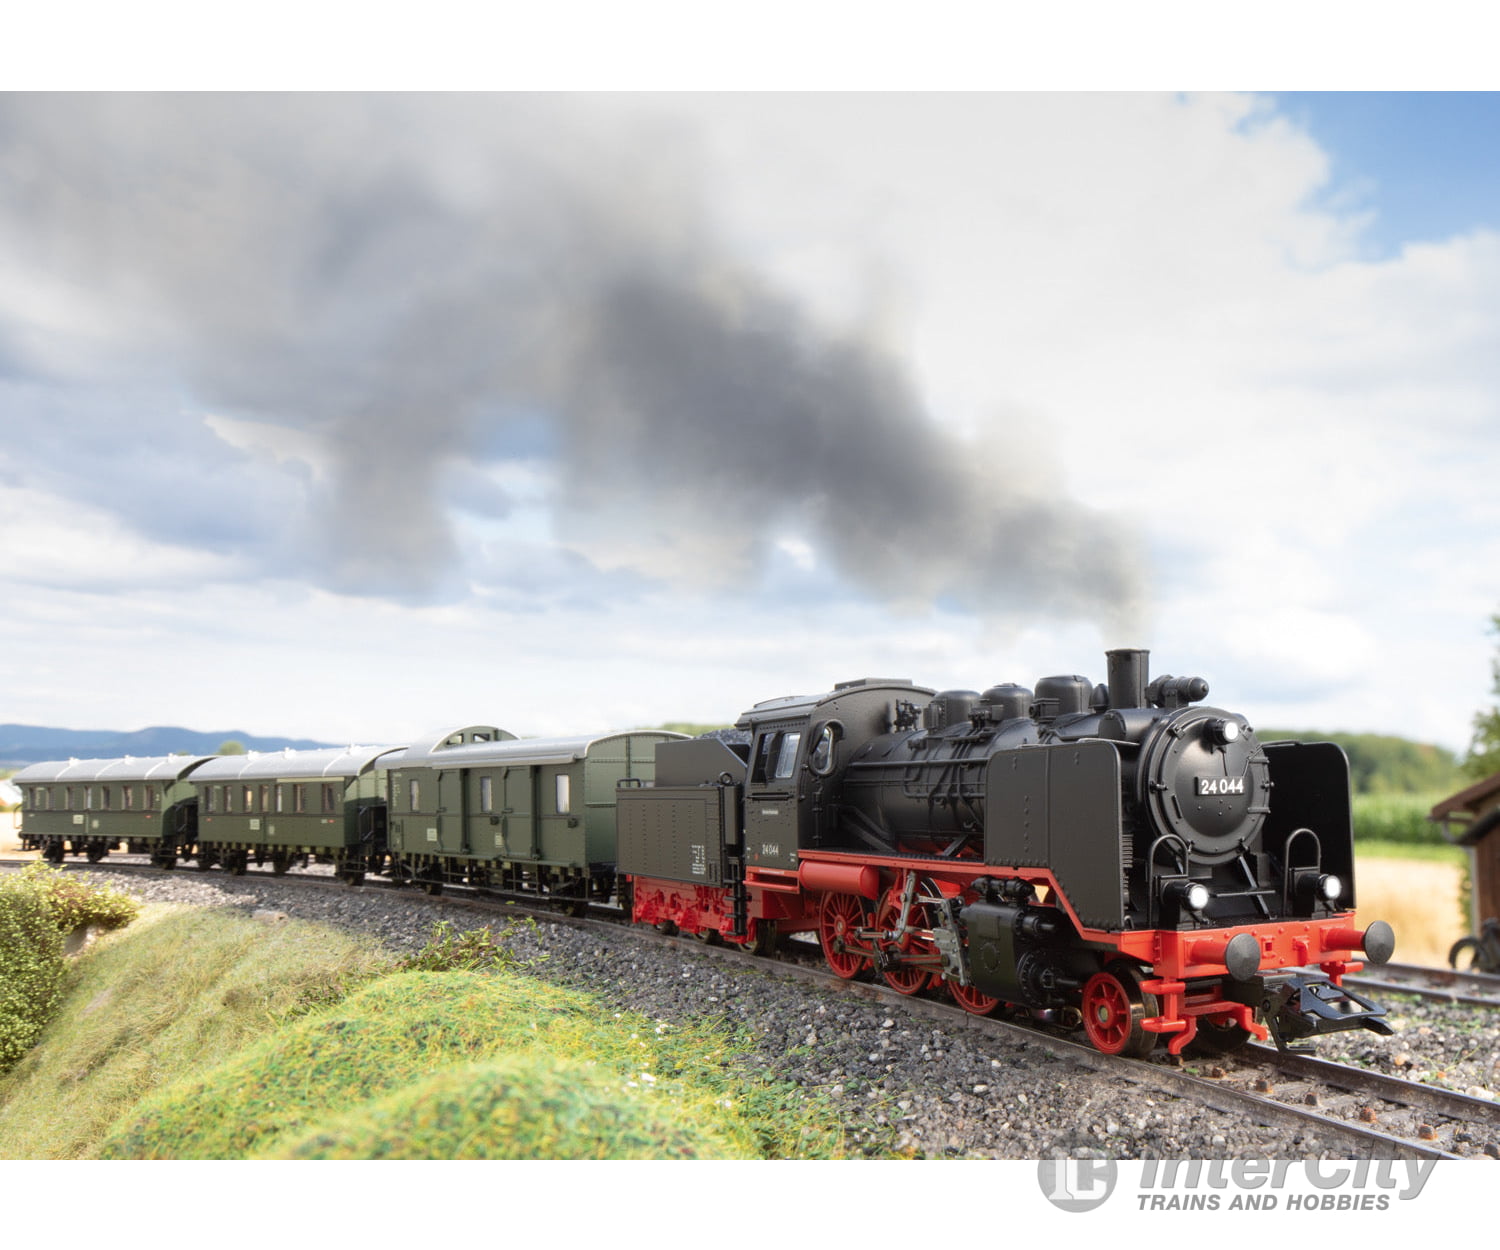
27, 744
1384, 764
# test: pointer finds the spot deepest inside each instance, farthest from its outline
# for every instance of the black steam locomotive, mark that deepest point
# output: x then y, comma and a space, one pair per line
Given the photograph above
1118, 854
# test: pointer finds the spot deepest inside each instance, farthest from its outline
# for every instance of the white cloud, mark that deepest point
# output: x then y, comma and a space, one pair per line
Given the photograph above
55, 542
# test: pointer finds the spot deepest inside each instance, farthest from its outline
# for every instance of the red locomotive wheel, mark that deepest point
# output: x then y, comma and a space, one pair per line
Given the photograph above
971, 1000
905, 979
839, 919
1113, 1008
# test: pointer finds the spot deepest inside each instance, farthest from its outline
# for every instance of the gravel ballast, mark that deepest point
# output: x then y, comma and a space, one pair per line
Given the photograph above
904, 1084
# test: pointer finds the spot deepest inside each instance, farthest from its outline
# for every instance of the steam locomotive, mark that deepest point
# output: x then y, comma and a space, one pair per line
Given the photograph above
1117, 856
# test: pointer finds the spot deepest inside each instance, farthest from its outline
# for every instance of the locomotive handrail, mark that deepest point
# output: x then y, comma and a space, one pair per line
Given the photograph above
1153, 895
1287, 865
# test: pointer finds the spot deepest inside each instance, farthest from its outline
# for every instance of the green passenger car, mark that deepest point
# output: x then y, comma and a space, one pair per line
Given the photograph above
533, 815
285, 806
90, 807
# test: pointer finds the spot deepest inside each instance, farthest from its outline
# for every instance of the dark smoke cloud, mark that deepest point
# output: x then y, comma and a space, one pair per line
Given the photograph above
408, 276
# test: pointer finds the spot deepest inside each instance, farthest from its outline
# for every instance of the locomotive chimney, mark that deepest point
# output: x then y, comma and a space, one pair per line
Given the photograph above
1127, 677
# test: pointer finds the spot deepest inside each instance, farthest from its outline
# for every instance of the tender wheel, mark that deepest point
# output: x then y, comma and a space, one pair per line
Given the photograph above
1463, 955
904, 979
1113, 1008
840, 917
1218, 1037
764, 941
971, 1000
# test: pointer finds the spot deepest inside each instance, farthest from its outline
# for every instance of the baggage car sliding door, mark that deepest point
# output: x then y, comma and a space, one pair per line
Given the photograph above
516, 816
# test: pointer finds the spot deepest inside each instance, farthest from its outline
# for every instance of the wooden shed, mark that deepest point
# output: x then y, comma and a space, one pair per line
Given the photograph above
1471, 818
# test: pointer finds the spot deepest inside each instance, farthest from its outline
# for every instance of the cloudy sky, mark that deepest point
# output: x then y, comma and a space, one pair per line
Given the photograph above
349, 416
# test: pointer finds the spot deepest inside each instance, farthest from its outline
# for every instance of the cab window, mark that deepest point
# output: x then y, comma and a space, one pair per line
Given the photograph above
776, 759
786, 755
820, 761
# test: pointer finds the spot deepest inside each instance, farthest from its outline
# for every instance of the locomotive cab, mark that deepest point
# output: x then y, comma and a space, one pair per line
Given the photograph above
799, 750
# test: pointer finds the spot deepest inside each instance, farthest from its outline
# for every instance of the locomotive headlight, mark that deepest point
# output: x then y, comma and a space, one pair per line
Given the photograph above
1190, 895
1225, 731
1330, 888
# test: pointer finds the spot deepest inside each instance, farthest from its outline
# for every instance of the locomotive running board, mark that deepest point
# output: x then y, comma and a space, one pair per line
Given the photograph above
1303, 1004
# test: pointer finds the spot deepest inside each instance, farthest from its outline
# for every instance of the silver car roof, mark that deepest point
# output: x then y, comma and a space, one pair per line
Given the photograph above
127, 768
261, 765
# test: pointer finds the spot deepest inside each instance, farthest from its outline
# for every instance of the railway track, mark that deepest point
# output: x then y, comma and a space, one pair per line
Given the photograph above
1351, 1110
1364, 1112
1442, 985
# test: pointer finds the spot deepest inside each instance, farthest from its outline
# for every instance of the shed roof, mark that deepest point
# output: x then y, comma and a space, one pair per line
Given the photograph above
262, 765
1470, 801
130, 768
1473, 811
517, 752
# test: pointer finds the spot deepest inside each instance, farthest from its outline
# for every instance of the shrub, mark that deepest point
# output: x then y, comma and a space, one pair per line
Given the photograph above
31, 966
38, 905
474, 950
75, 903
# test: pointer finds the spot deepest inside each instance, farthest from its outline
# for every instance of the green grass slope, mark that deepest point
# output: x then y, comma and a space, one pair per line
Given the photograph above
170, 995
526, 1106
204, 1035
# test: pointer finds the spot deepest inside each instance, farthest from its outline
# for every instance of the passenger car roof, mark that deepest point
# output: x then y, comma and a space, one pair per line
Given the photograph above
260, 765
126, 768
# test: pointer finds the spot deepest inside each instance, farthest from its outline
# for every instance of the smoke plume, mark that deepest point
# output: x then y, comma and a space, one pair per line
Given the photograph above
408, 277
